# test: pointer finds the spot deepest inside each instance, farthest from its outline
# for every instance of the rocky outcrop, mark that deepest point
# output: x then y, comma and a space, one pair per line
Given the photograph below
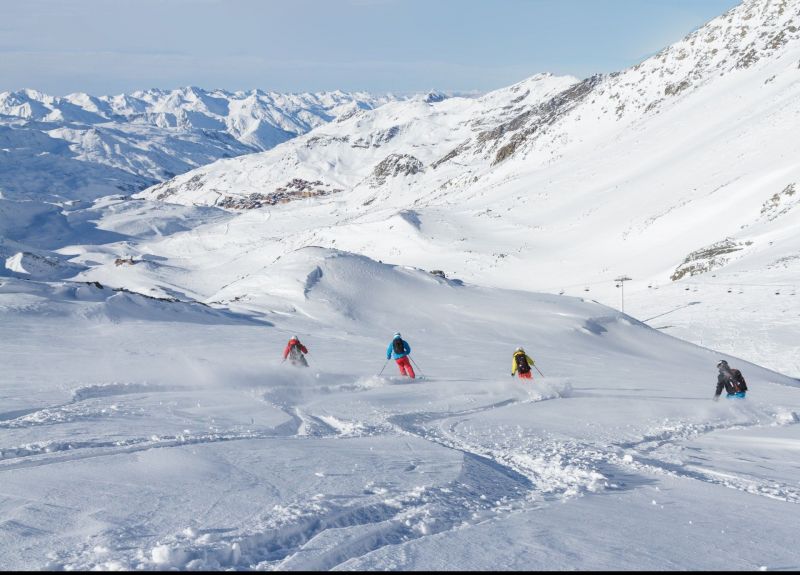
780, 203
708, 258
395, 165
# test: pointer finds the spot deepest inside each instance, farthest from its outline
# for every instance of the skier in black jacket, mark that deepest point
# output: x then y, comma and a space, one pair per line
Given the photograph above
731, 380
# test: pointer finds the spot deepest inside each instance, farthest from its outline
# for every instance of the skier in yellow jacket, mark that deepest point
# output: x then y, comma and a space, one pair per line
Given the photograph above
521, 364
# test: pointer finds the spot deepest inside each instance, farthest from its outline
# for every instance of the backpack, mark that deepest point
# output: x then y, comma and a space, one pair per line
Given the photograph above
522, 363
295, 352
398, 347
738, 381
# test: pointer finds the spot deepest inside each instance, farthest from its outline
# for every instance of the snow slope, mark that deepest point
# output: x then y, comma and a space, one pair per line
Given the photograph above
681, 171
148, 423
189, 445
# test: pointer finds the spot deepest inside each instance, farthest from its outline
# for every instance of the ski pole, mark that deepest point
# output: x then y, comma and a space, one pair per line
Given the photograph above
415, 363
384, 367
537, 369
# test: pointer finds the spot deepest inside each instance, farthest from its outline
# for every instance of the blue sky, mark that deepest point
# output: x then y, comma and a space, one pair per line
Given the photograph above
114, 46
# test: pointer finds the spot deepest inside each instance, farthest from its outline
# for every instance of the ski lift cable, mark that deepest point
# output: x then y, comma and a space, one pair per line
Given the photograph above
727, 284
685, 283
582, 284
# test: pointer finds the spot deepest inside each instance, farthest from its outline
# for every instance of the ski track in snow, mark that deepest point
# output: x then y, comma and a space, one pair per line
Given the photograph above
516, 473
647, 450
321, 535
76, 410
551, 469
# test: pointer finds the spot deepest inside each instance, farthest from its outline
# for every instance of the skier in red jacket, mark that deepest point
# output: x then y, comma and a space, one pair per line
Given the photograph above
294, 351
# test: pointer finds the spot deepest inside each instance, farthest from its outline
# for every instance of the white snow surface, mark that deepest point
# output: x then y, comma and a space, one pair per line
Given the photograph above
147, 421
189, 445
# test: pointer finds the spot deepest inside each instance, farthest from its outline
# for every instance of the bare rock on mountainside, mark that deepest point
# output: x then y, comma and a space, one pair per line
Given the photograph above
548, 113
708, 258
165, 190
395, 165
780, 203
377, 139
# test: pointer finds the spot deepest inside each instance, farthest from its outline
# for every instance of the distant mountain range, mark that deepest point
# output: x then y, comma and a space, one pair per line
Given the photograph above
81, 146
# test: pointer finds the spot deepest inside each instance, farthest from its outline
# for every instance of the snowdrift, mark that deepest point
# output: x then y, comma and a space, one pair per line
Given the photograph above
316, 288
92, 301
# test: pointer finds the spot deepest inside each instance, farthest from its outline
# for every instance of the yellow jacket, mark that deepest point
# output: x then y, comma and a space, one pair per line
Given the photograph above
514, 361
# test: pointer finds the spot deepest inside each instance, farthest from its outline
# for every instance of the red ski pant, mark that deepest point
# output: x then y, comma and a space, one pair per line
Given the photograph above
405, 366
524, 375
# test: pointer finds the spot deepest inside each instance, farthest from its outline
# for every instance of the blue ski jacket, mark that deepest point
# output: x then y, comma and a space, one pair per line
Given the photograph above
390, 353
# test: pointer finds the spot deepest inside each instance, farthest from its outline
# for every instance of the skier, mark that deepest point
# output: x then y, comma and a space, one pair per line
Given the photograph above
399, 350
295, 350
521, 364
730, 379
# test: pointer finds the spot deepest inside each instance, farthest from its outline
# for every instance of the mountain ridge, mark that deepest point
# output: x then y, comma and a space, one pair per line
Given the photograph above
127, 142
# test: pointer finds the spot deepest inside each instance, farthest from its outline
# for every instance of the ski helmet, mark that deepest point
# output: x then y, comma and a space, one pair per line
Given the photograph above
722, 364
520, 349
396, 335
295, 337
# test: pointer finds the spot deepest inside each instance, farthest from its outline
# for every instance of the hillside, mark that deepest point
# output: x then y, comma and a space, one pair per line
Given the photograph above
680, 173
202, 451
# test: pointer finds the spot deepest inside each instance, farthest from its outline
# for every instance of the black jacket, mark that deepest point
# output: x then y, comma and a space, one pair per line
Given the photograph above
732, 382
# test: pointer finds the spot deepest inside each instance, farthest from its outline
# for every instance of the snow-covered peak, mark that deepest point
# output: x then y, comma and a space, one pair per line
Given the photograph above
27, 104
192, 107
754, 31
148, 136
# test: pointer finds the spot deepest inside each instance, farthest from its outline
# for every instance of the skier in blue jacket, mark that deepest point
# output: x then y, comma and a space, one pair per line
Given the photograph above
399, 350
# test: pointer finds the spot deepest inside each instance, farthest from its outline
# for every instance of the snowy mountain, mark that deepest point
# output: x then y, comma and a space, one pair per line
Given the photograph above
148, 422
393, 147
82, 147
680, 172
